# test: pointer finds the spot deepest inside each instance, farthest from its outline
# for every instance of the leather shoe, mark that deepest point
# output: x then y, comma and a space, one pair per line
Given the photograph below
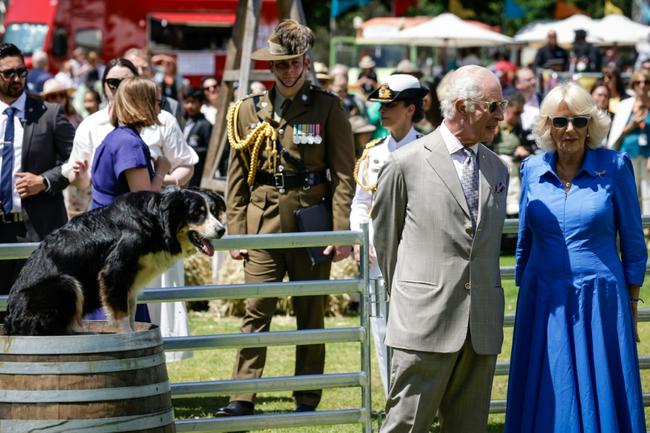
305, 408
236, 408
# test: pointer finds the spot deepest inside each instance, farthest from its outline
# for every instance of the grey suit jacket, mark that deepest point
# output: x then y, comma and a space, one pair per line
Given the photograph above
442, 280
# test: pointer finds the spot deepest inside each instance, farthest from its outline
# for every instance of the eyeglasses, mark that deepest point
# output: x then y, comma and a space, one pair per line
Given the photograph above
636, 83
561, 122
113, 83
8, 74
210, 88
493, 105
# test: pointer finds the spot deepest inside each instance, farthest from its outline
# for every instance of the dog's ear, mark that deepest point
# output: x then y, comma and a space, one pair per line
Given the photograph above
216, 198
173, 211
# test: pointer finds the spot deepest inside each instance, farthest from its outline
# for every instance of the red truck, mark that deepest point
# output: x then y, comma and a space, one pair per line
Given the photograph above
194, 31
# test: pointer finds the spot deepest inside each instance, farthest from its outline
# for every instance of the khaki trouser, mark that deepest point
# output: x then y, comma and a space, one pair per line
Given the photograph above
271, 266
457, 386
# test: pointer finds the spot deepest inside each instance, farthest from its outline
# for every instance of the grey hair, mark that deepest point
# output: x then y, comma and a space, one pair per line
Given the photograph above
466, 84
39, 59
579, 102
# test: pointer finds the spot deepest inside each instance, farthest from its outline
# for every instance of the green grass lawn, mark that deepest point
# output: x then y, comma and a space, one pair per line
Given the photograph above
217, 364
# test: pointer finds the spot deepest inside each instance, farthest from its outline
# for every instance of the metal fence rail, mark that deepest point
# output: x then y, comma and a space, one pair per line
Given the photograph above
360, 334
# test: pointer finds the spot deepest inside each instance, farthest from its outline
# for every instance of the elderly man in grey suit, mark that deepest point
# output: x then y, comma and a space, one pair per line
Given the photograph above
441, 202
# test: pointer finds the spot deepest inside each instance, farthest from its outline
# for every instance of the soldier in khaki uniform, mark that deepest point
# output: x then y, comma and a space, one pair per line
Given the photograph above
292, 148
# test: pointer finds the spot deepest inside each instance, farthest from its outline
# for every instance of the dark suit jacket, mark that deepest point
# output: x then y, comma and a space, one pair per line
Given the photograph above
174, 107
47, 141
199, 139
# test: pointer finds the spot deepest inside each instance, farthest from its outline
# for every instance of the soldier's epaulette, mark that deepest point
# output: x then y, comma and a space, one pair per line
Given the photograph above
321, 90
374, 142
250, 95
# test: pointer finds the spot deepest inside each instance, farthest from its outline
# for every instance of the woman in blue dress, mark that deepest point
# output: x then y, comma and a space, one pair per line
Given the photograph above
574, 365
123, 163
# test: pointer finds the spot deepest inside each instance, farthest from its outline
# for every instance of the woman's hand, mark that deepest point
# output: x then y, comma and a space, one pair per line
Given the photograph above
79, 176
634, 290
635, 319
162, 166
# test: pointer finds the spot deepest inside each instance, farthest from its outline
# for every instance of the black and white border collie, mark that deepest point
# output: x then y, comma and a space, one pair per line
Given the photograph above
105, 257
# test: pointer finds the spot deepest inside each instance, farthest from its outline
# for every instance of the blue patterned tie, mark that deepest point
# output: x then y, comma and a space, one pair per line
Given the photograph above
469, 182
6, 175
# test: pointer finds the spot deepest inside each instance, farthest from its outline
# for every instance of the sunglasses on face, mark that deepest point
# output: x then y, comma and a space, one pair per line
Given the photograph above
210, 88
493, 105
561, 122
636, 83
113, 83
8, 74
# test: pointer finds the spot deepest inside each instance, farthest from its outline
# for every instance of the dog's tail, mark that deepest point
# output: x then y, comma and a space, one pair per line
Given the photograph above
52, 306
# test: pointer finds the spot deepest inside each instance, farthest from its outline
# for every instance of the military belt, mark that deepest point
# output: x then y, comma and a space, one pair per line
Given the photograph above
286, 179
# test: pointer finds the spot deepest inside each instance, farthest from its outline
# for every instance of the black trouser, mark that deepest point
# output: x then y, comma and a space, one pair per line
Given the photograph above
10, 233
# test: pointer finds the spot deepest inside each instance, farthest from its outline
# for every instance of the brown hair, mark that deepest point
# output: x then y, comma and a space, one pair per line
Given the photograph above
136, 103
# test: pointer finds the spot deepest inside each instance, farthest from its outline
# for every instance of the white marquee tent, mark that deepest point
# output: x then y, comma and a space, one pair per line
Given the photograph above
447, 30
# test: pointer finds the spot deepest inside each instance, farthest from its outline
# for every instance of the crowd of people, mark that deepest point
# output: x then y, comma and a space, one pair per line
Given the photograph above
434, 165
439, 165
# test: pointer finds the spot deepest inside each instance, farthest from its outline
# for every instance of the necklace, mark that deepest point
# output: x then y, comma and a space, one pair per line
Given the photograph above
567, 186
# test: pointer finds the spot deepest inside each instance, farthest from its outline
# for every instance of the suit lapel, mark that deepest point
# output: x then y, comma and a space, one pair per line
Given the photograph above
440, 160
33, 108
486, 181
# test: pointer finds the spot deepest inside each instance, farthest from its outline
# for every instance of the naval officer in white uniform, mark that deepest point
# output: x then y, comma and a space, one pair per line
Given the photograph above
401, 107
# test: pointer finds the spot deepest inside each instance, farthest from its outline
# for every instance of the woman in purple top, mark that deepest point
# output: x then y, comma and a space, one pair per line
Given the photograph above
122, 163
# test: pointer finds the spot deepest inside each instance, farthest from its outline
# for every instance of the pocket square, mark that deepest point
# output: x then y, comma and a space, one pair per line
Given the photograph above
501, 187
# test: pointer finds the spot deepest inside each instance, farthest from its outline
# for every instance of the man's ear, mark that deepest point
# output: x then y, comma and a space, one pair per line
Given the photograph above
460, 106
411, 110
307, 61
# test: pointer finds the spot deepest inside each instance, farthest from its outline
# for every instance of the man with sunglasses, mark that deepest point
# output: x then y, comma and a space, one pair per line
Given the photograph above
309, 165
37, 137
440, 203
400, 97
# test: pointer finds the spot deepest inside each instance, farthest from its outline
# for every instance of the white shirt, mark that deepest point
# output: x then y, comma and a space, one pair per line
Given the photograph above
455, 147
164, 139
362, 201
19, 116
530, 112
209, 112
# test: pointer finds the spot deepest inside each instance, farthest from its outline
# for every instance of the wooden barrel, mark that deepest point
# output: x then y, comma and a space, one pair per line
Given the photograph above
99, 381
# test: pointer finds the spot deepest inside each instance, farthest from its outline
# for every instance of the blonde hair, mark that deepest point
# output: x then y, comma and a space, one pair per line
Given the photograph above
136, 103
636, 74
580, 103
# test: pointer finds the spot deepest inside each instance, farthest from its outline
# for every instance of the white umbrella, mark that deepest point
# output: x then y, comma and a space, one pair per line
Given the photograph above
621, 30
565, 30
447, 30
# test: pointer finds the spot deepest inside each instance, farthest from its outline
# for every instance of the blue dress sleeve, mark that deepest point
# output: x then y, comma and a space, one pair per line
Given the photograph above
131, 153
627, 214
524, 235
